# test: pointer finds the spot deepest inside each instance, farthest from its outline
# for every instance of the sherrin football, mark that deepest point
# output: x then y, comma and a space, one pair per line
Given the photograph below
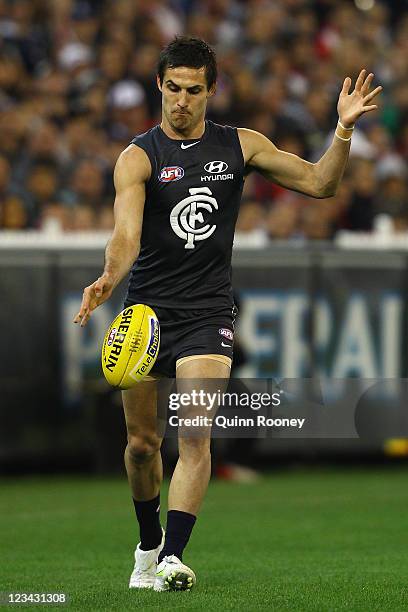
130, 346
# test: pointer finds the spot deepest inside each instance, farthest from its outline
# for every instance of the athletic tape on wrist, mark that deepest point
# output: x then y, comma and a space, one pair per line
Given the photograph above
341, 137
344, 128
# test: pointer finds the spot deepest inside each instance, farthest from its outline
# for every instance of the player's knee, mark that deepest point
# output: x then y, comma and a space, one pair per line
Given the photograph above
141, 449
194, 450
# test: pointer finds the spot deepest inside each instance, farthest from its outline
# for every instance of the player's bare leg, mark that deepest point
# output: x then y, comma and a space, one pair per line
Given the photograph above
145, 472
142, 455
192, 473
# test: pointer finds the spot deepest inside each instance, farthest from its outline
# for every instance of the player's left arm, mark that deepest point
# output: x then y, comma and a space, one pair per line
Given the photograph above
320, 179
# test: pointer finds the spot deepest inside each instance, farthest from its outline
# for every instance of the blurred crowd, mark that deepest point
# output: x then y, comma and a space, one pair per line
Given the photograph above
77, 82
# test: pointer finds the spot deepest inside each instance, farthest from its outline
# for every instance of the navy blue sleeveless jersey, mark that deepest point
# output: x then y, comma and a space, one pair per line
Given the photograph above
192, 202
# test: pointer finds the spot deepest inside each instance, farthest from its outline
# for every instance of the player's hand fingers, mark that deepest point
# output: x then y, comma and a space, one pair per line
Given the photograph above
360, 80
93, 296
372, 94
99, 287
346, 86
86, 298
367, 83
77, 317
370, 108
85, 318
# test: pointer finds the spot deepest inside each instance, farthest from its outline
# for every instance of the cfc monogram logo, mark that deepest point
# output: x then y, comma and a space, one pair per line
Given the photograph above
187, 214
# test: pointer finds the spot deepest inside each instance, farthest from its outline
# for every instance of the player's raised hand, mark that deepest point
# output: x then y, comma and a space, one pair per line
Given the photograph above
93, 296
352, 105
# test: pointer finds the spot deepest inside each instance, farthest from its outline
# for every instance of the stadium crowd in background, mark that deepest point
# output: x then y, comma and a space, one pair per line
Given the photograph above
77, 82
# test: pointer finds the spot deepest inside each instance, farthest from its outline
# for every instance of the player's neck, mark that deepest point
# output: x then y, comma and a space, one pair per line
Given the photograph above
190, 134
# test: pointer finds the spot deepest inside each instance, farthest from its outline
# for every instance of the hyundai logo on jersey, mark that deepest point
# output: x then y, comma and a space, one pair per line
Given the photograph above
216, 166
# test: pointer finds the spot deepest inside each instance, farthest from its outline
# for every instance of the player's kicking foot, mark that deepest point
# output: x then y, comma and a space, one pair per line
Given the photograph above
173, 575
144, 572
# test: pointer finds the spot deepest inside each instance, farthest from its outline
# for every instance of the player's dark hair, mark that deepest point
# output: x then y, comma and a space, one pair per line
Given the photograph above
190, 52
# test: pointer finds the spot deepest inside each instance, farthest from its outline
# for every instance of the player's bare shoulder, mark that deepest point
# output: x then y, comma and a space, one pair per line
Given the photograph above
132, 167
253, 142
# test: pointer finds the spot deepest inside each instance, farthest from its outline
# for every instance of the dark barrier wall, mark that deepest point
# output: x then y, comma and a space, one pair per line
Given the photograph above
324, 313
303, 313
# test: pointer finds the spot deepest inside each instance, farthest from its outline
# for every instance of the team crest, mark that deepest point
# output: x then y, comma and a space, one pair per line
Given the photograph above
187, 219
171, 173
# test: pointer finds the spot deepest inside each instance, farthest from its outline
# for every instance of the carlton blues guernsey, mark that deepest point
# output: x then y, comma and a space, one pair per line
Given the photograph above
191, 207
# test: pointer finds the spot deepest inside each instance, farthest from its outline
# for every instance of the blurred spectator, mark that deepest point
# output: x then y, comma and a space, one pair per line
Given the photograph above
42, 144
5, 173
127, 101
249, 232
360, 212
105, 219
282, 222
77, 82
77, 136
392, 200
55, 218
85, 22
13, 213
86, 185
41, 187
316, 222
83, 218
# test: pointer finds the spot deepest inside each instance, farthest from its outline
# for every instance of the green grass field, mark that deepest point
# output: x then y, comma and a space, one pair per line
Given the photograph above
320, 540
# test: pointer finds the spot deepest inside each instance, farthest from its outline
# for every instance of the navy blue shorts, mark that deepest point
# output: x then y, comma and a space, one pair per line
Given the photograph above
186, 332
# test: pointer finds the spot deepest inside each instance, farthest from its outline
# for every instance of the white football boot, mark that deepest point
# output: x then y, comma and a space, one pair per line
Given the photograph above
173, 575
144, 572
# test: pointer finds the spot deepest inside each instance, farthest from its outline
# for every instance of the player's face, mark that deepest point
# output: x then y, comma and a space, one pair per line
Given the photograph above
184, 97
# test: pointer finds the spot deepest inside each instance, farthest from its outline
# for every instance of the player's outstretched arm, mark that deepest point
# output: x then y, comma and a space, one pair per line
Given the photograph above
319, 180
131, 173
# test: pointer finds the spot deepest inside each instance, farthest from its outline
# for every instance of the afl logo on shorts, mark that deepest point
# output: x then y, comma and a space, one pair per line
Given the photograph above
187, 220
227, 333
171, 173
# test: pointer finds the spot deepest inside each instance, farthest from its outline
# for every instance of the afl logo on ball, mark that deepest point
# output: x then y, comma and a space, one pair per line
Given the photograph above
112, 336
171, 173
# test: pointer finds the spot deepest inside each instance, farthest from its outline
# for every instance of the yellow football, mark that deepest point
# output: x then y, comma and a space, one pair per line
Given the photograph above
130, 346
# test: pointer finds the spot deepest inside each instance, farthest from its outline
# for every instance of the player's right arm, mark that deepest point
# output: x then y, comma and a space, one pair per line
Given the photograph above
132, 170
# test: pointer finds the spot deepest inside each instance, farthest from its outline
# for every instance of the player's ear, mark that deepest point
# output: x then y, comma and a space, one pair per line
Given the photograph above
159, 85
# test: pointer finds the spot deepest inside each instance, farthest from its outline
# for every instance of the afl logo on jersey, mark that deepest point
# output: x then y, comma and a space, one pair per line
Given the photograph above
187, 220
171, 173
